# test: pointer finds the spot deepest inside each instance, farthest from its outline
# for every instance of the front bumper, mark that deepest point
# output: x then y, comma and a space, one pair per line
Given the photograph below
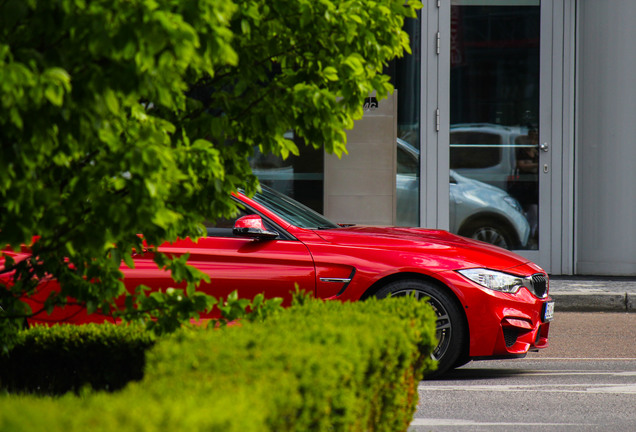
501, 325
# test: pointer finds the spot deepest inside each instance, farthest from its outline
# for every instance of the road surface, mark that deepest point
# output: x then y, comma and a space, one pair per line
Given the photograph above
585, 381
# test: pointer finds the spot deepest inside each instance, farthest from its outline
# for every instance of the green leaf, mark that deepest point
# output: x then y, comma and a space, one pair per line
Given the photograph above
330, 73
128, 260
111, 101
138, 117
245, 27
55, 94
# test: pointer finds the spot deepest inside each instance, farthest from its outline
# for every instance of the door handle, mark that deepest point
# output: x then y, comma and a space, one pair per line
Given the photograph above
544, 146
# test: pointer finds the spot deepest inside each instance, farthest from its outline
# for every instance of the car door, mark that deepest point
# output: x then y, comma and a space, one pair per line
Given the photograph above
250, 266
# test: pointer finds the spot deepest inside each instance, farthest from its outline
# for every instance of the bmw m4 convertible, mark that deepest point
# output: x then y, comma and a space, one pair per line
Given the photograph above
490, 303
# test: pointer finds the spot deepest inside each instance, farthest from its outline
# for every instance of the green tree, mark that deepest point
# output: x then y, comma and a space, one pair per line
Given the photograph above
121, 117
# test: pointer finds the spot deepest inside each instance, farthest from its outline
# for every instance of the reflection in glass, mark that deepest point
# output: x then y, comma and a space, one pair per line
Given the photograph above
487, 213
407, 184
494, 104
300, 177
405, 77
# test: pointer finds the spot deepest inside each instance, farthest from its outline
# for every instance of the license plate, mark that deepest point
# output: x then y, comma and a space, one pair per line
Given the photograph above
548, 311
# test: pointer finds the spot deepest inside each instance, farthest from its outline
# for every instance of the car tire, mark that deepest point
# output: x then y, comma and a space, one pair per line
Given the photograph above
488, 232
461, 361
451, 330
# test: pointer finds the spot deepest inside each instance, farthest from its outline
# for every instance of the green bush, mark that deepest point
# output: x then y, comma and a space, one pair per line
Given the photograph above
62, 358
320, 366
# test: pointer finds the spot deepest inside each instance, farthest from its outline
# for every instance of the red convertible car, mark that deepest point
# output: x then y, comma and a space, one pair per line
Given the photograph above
490, 303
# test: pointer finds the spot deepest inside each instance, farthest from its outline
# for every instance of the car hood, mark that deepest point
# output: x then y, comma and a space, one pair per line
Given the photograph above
457, 252
472, 183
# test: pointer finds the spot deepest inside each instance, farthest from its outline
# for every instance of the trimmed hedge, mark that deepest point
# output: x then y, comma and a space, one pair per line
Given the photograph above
63, 358
322, 366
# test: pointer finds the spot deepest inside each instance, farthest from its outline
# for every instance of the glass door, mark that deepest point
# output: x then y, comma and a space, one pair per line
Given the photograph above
496, 159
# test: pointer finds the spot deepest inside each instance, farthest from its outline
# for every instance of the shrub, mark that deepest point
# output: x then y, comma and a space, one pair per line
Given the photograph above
320, 366
62, 358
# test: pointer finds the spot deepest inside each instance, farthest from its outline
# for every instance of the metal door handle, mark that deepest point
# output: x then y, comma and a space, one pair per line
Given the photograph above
544, 146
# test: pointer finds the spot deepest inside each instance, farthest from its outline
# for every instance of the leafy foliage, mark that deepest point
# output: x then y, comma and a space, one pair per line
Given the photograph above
319, 366
121, 117
63, 358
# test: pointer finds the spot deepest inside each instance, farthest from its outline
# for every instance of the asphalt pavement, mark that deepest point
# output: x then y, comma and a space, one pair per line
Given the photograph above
593, 294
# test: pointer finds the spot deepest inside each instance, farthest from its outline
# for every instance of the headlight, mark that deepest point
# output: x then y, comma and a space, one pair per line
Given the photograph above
494, 280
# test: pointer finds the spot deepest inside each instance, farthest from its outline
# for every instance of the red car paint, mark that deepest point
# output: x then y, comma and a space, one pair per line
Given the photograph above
351, 263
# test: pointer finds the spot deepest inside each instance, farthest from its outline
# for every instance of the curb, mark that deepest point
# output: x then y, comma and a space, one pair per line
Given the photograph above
606, 302
593, 293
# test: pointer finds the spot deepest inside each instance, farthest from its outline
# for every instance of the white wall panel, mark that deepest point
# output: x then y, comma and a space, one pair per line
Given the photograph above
360, 186
606, 131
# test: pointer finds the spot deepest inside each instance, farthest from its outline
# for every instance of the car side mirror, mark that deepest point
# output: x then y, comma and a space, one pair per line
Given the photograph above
253, 226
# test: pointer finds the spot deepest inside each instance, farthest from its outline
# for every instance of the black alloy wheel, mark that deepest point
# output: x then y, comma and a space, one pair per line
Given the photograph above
450, 329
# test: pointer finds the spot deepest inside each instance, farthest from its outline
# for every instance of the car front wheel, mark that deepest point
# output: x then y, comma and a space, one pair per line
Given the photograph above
450, 328
490, 233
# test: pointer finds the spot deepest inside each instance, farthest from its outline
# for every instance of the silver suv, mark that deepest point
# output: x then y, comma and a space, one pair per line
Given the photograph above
477, 210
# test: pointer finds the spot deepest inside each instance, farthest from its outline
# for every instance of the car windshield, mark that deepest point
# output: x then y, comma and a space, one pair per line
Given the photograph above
292, 211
